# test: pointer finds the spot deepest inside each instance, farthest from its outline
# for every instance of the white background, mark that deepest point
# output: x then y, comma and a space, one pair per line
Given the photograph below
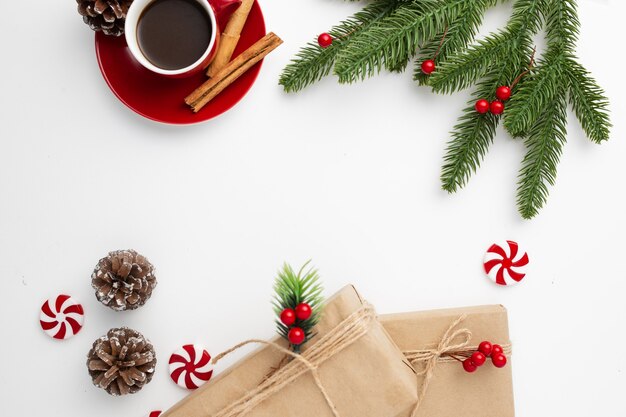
345, 175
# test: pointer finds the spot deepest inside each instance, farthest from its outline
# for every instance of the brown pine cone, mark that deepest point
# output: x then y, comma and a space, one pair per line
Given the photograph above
121, 362
108, 16
124, 280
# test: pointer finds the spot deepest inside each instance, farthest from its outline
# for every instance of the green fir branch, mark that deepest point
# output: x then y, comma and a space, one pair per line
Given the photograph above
470, 141
459, 34
514, 42
545, 144
391, 41
539, 108
312, 63
589, 102
562, 24
474, 133
471, 137
537, 93
464, 70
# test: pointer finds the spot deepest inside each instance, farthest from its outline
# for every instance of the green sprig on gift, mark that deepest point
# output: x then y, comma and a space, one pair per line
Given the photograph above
389, 34
298, 304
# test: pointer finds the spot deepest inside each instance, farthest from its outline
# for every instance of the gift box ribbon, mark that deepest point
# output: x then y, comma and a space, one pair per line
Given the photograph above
339, 338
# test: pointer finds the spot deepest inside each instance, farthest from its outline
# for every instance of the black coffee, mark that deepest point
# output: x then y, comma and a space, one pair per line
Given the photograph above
174, 34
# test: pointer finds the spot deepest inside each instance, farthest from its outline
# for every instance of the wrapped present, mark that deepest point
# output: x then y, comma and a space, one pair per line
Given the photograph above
352, 368
436, 340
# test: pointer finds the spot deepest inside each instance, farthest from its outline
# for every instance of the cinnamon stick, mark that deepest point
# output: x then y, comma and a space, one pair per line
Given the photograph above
236, 68
230, 37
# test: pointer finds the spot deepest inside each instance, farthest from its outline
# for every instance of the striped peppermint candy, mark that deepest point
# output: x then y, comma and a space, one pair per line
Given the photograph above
190, 366
154, 414
61, 317
505, 263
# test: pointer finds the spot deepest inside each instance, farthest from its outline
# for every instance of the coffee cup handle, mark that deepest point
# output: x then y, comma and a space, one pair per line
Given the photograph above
224, 10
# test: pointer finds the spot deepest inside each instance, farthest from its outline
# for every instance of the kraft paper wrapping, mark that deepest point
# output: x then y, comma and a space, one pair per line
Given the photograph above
452, 392
370, 378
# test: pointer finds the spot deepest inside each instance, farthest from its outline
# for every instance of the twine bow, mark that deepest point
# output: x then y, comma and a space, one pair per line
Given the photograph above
340, 337
453, 344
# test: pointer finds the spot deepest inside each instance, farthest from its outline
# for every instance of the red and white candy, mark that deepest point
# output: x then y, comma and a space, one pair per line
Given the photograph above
190, 366
61, 317
505, 263
154, 414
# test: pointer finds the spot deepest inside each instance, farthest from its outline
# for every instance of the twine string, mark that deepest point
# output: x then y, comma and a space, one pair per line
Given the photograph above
340, 337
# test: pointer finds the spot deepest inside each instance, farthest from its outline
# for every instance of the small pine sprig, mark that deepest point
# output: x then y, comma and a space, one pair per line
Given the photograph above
292, 290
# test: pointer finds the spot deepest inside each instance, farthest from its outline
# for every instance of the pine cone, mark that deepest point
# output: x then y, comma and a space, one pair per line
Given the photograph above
108, 16
121, 362
124, 280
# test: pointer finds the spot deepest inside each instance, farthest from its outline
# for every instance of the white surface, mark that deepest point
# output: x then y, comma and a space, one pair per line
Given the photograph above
348, 176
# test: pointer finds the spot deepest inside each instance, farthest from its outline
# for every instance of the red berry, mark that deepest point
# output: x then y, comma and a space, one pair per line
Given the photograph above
428, 66
499, 360
296, 336
496, 349
497, 107
482, 106
486, 348
325, 40
503, 92
478, 358
288, 317
303, 311
469, 366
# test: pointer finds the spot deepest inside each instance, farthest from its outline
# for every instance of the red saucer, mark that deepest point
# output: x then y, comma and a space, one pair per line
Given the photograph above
161, 99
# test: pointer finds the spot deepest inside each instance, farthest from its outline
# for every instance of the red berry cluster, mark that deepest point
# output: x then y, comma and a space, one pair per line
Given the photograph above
290, 316
485, 350
503, 93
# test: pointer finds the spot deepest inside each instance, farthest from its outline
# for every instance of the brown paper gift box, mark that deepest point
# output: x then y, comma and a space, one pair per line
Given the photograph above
452, 392
370, 377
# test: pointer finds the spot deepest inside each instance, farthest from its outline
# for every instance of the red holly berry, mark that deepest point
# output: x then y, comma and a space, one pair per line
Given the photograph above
469, 366
496, 349
478, 358
325, 40
428, 66
288, 317
503, 92
296, 336
499, 360
482, 106
303, 311
496, 107
486, 348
